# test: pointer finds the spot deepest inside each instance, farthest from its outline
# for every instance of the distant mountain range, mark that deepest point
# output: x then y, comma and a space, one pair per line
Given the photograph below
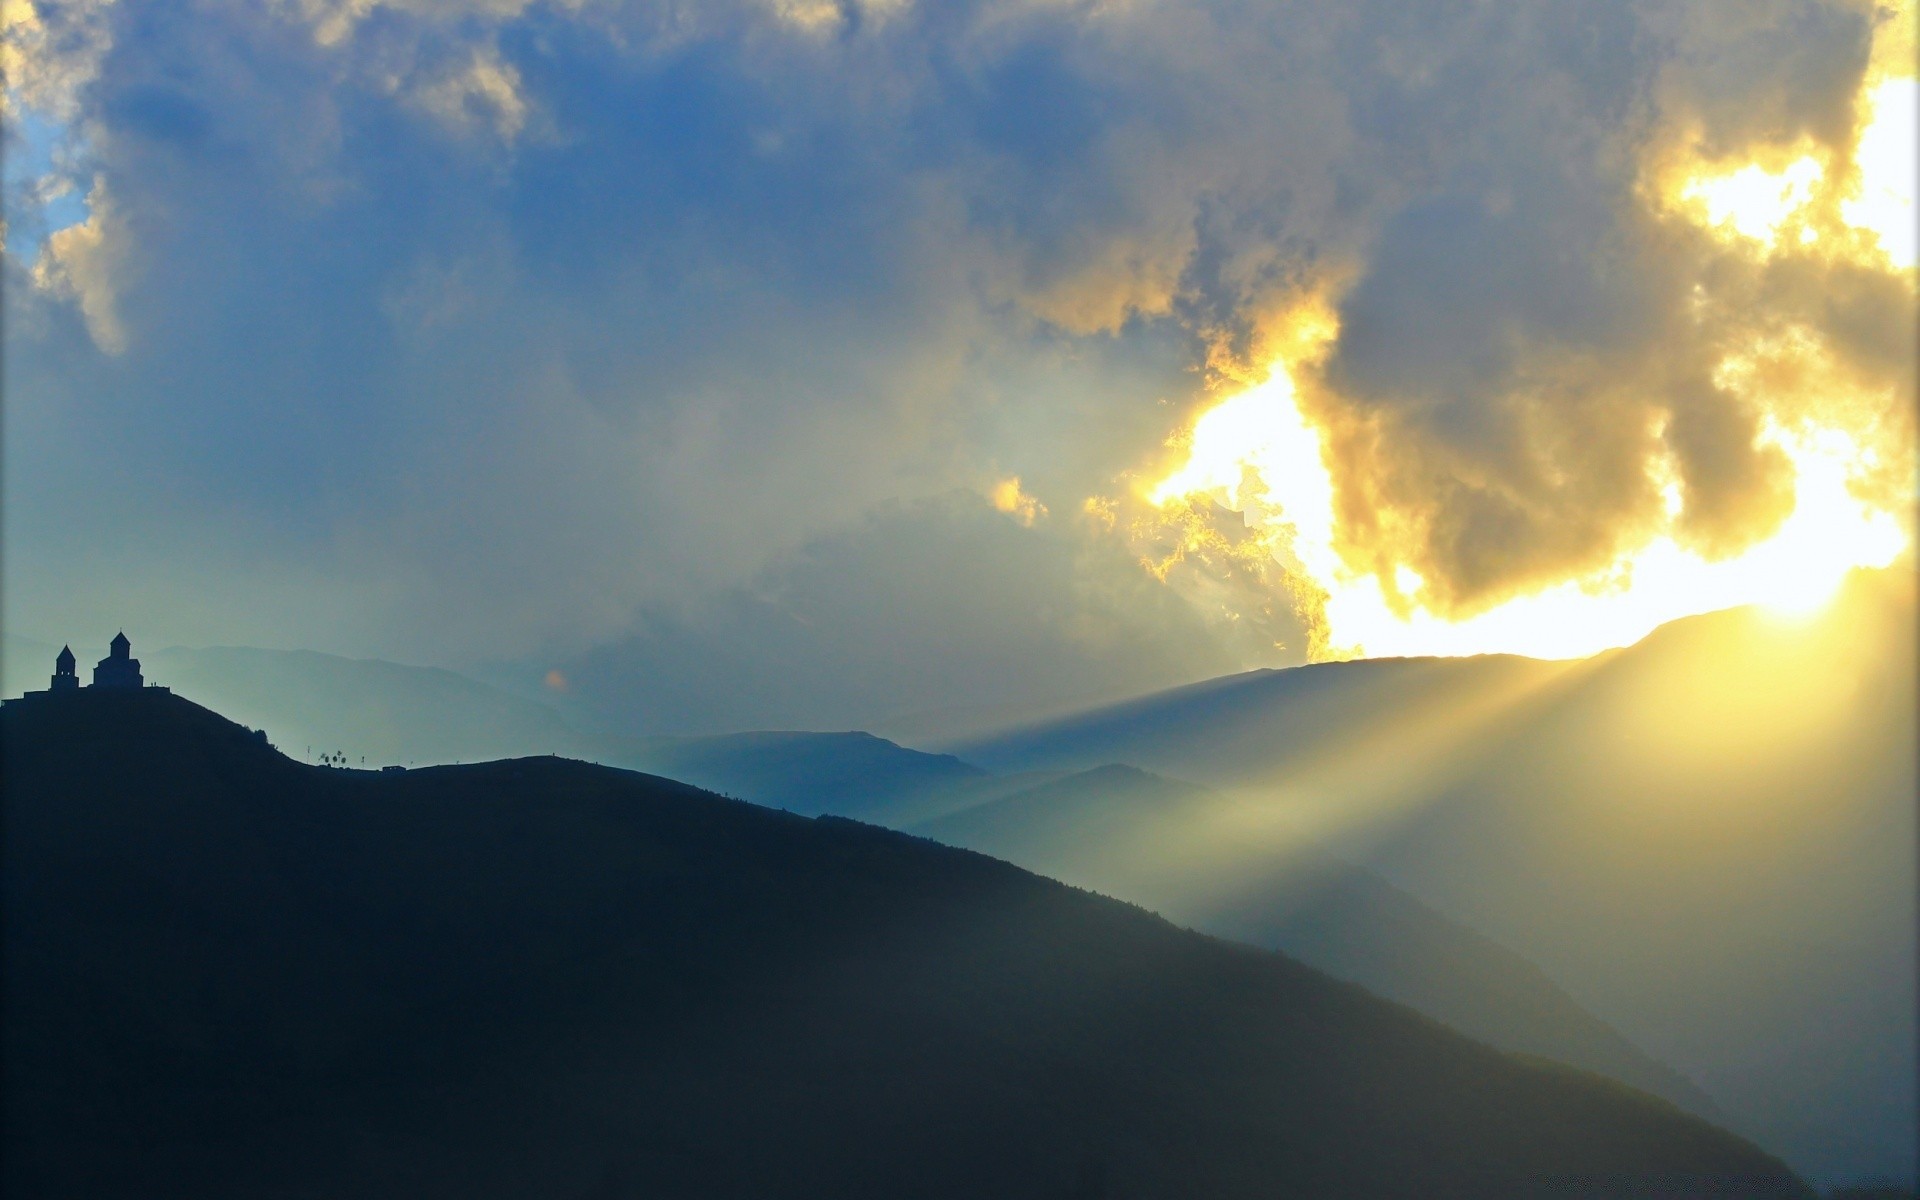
1707, 838
847, 774
229, 974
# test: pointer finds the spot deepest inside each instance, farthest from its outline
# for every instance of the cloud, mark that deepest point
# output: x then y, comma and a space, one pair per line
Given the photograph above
1008, 497
479, 92
51, 53
88, 263
511, 327
944, 604
1536, 341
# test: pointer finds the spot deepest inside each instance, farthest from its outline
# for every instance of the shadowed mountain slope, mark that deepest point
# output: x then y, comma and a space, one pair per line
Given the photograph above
1120, 831
231, 975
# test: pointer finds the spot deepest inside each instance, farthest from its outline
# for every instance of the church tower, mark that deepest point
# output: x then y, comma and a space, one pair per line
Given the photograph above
118, 669
64, 680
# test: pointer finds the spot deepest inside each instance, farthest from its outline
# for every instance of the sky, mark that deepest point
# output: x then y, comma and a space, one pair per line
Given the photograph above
797, 363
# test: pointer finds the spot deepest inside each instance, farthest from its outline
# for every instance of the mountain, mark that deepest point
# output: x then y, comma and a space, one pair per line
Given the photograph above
1119, 830
1726, 869
849, 774
1260, 724
1707, 838
391, 712
1370, 761
229, 974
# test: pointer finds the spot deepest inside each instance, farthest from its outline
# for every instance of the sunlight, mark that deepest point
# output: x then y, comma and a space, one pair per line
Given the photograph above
1753, 202
1257, 454
1857, 204
1887, 161
1009, 497
1261, 457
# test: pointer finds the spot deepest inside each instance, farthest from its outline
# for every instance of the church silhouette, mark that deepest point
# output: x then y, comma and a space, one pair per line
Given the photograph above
119, 669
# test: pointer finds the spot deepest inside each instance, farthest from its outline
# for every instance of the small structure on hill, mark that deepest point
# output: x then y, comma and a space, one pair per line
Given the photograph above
118, 669
64, 680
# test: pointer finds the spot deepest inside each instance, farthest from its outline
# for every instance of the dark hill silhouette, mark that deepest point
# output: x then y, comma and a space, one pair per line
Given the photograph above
228, 974
394, 712
1358, 930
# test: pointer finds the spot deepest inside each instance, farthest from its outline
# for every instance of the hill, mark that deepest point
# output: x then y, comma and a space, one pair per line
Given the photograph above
229, 974
1706, 838
392, 712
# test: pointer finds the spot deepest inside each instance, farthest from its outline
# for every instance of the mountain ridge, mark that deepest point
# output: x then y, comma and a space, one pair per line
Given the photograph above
545, 973
849, 774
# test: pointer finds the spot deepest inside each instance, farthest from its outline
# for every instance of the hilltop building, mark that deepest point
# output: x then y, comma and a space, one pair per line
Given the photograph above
117, 669
64, 680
